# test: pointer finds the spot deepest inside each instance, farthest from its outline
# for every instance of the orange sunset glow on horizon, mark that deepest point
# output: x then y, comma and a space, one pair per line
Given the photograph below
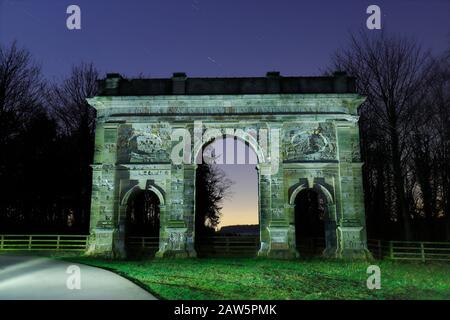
240, 207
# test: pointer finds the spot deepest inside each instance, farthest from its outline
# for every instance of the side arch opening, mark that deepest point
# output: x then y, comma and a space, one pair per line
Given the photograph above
312, 221
142, 222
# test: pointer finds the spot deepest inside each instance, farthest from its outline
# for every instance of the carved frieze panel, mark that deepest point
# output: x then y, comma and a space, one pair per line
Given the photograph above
309, 141
144, 143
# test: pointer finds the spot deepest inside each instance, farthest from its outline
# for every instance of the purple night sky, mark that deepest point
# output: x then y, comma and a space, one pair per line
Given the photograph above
208, 38
211, 38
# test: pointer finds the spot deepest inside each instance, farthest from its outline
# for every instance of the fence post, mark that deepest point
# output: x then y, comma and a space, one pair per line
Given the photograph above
143, 242
2, 241
30, 239
57, 242
391, 250
422, 251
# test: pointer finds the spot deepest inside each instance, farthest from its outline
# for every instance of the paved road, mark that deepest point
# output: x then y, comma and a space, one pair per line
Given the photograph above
37, 278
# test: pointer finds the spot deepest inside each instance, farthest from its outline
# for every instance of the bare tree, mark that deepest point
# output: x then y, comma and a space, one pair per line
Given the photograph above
439, 106
76, 119
21, 88
391, 72
68, 100
212, 187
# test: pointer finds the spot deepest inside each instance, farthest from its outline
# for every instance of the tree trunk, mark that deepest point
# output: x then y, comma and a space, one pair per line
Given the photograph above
399, 183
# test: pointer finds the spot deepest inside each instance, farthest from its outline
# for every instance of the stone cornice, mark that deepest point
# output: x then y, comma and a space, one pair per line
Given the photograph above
258, 104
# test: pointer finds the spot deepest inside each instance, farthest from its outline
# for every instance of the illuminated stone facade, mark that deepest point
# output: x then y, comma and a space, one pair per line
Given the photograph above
312, 121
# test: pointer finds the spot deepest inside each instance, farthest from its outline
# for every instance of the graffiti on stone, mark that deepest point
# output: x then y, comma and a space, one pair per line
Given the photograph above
177, 240
351, 237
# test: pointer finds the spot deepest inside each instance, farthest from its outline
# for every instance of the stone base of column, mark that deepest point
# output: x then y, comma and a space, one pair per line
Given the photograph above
119, 246
278, 244
354, 254
176, 242
101, 243
183, 254
278, 254
330, 253
352, 243
283, 254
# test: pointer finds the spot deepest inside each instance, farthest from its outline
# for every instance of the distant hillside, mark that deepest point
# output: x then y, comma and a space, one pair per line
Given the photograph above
236, 230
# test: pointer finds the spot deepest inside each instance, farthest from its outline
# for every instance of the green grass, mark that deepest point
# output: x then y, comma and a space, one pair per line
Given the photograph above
229, 278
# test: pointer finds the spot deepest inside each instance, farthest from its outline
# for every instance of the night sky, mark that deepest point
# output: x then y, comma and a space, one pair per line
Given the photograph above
210, 38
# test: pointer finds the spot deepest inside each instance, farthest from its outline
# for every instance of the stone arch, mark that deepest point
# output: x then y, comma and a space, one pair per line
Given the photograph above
247, 138
122, 245
158, 191
329, 219
251, 144
296, 189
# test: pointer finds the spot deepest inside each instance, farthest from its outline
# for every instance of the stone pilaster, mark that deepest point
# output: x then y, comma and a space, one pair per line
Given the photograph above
276, 232
352, 239
104, 205
279, 228
331, 244
189, 207
264, 208
176, 239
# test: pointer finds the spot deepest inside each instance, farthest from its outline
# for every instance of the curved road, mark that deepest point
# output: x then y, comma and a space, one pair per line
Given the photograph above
37, 278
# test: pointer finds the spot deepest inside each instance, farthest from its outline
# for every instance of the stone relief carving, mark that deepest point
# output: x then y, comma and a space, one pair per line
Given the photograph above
144, 143
310, 141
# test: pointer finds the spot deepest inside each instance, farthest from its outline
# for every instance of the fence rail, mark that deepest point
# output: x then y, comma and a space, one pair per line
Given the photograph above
143, 242
39, 242
228, 245
410, 250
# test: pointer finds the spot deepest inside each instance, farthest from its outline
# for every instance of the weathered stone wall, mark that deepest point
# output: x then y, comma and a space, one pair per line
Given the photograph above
318, 148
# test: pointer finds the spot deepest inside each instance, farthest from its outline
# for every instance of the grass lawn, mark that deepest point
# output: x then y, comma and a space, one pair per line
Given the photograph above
227, 278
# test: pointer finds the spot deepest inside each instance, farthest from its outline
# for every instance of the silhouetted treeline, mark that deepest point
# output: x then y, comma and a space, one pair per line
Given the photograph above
405, 135
46, 146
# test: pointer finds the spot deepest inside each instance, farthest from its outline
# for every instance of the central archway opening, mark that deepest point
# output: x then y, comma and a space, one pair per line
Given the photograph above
310, 220
227, 211
142, 223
